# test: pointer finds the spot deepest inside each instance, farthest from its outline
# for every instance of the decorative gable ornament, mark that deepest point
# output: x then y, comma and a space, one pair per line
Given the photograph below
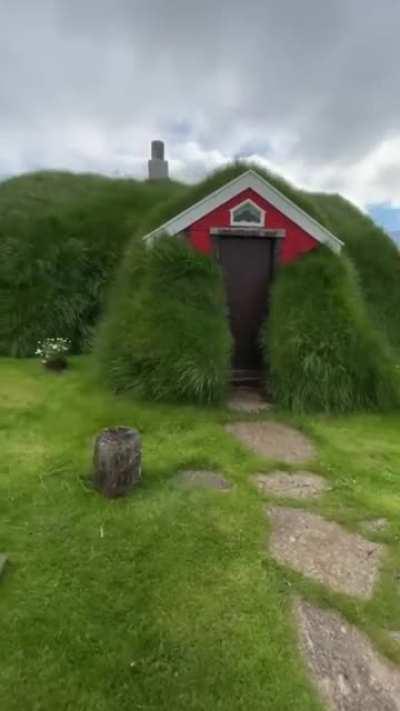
247, 214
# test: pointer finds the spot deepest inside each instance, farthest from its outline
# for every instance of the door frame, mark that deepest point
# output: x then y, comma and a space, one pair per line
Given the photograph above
276, 236
254, 233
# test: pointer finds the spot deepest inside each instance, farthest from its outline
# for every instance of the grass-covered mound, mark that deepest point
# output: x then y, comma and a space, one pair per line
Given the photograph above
61, 236
376, 257
165, 335
184, 199
324, 352
373, 253
332, 330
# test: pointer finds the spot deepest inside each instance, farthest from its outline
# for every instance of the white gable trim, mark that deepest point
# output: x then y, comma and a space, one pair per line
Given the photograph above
249, 179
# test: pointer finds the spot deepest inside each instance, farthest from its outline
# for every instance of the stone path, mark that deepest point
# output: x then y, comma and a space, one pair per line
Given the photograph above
324, 551
274, 440
246, 399
295, 485
197, 478
349, 674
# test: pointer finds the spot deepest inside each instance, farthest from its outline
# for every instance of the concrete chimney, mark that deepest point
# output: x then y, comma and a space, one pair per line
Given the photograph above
158, 167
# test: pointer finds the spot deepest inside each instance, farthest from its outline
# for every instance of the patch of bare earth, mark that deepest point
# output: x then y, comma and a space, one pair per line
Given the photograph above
349, 674
274, 440
375, 525
296, 485
246, 399
324, 551
197, 478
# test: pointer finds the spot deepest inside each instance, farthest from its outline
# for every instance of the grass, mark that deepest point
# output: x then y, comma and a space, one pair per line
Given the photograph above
61, 237
324, 353
151, 341
166, 599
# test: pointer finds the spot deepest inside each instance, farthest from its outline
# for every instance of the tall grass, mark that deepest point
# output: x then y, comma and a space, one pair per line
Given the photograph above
323, 351
165, 335
61, 236
376, 258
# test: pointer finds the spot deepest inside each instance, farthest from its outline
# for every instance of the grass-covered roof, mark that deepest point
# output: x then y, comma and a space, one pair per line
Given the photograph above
375, 256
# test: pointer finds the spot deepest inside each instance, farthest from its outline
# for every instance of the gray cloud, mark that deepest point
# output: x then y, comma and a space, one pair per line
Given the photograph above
309, 89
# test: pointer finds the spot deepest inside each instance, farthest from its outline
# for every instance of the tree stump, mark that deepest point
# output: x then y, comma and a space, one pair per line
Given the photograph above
117, 461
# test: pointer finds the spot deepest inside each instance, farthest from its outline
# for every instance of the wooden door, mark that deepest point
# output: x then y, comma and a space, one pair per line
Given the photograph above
247, 266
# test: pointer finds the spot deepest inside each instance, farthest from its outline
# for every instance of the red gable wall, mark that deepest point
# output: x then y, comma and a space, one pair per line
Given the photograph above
296, 242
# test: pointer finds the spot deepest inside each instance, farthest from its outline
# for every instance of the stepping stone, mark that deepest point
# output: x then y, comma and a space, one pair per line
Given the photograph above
194, 479
274, 440
324, 551
3, 561
298, 485
349, 674
250, 400
375, 525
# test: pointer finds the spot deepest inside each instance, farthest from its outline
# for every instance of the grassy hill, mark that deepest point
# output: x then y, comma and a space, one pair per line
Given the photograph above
61, 236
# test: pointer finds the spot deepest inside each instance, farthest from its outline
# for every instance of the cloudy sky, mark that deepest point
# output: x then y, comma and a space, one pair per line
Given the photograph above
309, 88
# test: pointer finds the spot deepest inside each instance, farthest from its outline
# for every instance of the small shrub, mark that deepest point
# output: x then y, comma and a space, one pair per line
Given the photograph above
53, 351
165, 335
323, 352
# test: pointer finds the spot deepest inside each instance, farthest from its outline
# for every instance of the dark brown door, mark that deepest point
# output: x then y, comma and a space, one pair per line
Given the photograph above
247, 266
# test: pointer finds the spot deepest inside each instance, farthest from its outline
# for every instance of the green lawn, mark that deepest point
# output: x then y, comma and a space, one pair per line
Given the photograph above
167, 599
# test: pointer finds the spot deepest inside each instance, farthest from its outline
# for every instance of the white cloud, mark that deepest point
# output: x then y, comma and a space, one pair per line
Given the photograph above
308, 89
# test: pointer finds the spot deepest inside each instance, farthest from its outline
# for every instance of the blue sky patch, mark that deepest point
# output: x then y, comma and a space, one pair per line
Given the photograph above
386, 216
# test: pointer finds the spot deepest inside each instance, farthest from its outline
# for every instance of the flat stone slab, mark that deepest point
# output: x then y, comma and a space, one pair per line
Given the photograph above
349, 674
296, 485
274, 440
3, 561
198, 478
324, 551
375, 525
250, 400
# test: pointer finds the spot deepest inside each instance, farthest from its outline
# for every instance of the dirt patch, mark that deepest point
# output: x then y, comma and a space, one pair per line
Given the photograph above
375, 525
394, 635
324, 551
3, 561
194, 479
349, 673
274, 440
245, 399
297, 485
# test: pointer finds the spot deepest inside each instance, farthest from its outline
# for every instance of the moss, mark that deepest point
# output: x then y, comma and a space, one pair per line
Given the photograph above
165, 335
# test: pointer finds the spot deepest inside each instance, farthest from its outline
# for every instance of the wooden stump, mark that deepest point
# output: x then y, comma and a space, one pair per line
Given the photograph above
117, 461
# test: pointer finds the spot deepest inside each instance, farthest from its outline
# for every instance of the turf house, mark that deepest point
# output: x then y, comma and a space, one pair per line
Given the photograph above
178, 290
244, 278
